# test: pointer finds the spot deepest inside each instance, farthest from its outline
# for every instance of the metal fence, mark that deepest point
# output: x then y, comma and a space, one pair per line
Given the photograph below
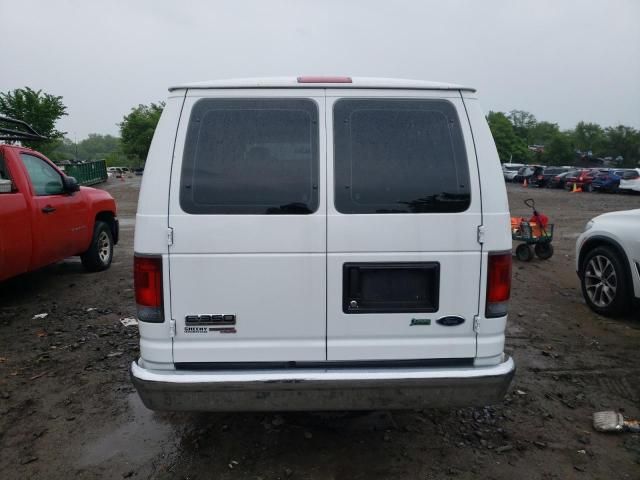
88, 173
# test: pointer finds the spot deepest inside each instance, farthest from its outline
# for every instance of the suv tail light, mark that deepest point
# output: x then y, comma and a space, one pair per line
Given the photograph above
147, 276
498, 284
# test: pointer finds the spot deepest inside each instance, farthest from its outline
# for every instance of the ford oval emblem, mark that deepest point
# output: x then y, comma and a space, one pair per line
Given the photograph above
450, 321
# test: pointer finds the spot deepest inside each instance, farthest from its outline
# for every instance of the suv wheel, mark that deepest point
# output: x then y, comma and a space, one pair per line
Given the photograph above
100, 253
604, 282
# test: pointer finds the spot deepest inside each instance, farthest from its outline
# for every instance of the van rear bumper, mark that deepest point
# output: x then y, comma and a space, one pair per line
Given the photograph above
354, 389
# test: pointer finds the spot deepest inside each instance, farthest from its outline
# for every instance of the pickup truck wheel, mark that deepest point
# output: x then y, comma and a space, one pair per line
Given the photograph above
100, 252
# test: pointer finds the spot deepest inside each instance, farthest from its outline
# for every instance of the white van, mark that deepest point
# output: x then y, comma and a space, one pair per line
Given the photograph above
322, 243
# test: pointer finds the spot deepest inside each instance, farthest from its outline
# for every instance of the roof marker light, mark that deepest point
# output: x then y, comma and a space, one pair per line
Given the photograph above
323, 79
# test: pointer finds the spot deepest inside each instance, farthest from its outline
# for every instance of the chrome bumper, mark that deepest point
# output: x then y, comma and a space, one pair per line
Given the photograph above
353, 389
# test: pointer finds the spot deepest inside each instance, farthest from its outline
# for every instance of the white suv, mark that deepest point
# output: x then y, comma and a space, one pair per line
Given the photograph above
608, 262
510, 170
630, 181
322, 243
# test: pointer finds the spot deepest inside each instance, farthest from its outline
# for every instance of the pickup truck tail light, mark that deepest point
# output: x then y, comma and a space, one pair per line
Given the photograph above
147, 275
498, 284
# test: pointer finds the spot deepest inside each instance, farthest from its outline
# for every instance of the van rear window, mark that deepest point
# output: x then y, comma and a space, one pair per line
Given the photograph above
399, 156
251, 156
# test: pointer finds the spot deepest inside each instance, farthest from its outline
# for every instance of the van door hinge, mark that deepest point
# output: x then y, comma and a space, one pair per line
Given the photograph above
476, 323
169, 236
172, 328
481, 230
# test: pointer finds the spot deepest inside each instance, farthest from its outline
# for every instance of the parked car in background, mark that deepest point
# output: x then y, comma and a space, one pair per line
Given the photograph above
543, 178
114, 172
298, 287
608, 262
138, 171
581, 178
607, 181
45, 216
630, 182
510, 170
527, 173
523, 172
558, 181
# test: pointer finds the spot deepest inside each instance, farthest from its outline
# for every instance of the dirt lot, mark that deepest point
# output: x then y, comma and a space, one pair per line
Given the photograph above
67, 407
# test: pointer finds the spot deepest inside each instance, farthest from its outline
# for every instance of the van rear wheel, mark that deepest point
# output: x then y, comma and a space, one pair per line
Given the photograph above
100, 253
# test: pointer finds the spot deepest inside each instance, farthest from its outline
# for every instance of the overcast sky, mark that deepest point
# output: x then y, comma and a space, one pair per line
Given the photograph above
564, 61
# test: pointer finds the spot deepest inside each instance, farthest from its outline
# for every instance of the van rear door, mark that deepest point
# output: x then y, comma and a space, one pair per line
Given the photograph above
248, 213
404, 206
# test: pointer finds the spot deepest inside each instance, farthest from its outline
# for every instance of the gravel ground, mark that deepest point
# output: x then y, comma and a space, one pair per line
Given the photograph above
68, 409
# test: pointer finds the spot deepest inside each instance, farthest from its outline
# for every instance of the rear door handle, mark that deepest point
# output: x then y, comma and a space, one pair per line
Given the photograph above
48, 209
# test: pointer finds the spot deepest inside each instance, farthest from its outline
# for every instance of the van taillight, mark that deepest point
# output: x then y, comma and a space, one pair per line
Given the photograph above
498, 284
147, 276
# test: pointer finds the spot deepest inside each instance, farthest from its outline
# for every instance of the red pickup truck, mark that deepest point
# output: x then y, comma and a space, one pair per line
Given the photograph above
45, 216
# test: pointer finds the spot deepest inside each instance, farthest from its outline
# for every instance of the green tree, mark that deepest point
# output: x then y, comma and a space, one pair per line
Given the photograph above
38, 109
589, 137
510, 146
542, 133
136, 129
95, 147
523, 122
98, 147
625, 142
559, 150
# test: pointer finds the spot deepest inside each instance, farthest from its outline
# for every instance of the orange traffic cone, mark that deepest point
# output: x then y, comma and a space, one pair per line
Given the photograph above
524, 184
576, 189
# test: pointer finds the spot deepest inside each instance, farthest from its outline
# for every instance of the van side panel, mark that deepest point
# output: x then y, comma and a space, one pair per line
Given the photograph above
152, 215
497, 238
151, 229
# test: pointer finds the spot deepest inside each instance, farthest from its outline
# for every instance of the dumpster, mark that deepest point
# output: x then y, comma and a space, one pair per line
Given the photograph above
88, 173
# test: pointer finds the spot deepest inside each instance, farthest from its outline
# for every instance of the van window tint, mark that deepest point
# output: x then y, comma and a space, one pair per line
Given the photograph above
251, 156
399, 156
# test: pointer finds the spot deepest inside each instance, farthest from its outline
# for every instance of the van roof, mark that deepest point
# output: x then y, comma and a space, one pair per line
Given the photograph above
322, 82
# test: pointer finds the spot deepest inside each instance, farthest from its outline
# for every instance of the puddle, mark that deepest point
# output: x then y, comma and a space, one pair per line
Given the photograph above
135, 442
